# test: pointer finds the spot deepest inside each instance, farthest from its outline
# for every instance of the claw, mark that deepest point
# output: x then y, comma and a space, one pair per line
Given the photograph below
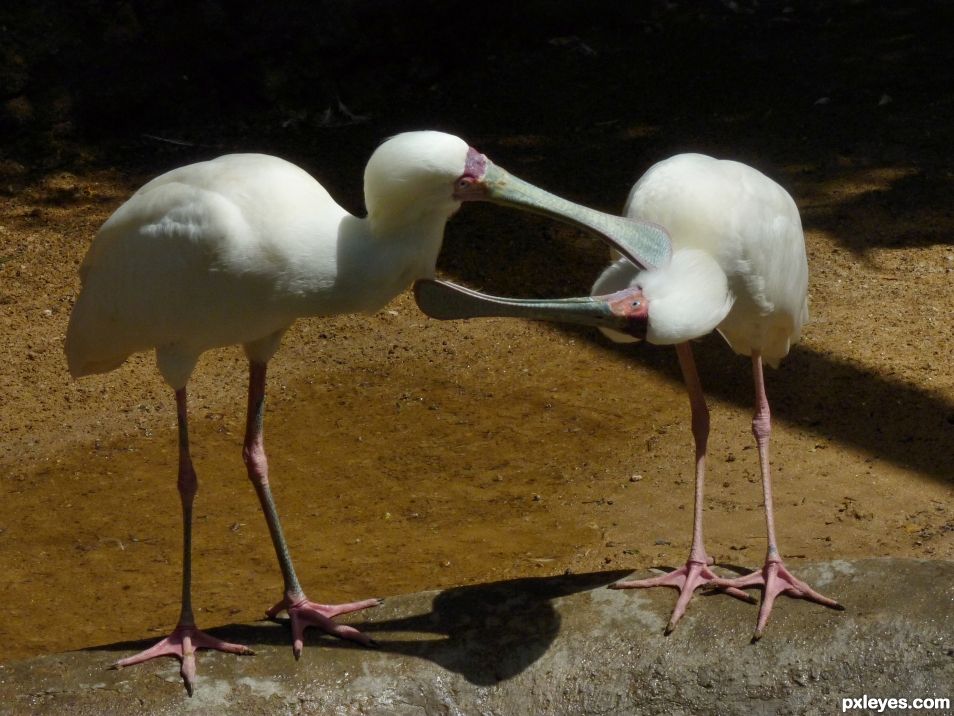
188, 672
774, 579
691, 576
304, 613
183, 643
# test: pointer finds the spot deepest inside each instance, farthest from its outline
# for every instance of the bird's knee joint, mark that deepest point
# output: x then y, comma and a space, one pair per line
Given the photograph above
255, 461
188, 484
187, 494
762, 425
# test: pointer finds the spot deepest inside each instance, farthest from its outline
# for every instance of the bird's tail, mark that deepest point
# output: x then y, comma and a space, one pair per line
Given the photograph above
88, 348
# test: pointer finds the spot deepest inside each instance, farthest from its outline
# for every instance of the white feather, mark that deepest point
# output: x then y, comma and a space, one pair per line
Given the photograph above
687, 299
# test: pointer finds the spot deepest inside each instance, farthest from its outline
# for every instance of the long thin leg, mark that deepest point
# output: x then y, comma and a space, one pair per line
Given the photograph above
774, 578
185, 638
696, 572
301, 611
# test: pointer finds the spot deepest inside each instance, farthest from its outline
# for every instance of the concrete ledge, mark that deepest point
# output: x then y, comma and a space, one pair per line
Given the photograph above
560, 645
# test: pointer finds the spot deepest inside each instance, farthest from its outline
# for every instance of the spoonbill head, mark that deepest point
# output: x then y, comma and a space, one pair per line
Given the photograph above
686, 298
414, 175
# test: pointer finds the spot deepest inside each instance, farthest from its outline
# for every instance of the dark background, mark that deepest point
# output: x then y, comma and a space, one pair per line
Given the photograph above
578, 97
727, 77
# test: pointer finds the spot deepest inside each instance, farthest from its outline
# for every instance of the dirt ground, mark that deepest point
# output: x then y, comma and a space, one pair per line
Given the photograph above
410, 454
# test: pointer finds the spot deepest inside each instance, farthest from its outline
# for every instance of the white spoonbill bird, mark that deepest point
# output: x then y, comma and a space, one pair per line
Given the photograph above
233, 250
738, 266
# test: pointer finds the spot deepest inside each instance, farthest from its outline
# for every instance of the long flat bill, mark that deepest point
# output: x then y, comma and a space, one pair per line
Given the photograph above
448, 301
646, 244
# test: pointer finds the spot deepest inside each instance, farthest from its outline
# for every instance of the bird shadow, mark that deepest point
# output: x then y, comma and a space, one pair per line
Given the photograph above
835, 399
887, 418
486, 632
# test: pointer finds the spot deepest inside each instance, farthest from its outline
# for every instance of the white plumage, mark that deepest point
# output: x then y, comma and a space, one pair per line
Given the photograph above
233, 250
738, 266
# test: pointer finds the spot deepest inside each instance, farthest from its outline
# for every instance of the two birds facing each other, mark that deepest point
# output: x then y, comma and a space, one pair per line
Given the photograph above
233, 250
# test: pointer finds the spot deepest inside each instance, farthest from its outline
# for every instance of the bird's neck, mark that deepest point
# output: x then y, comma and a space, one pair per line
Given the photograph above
688, 298
376, 261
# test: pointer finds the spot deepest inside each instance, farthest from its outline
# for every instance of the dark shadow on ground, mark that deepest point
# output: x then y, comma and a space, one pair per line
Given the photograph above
889, 419
486, 632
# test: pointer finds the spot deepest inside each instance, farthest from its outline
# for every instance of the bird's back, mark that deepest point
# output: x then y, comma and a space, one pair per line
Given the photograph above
201, 256
751, 226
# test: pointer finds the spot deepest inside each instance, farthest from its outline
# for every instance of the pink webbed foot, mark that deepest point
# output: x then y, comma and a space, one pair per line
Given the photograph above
304, 613
182, 643
774, 579
686, 579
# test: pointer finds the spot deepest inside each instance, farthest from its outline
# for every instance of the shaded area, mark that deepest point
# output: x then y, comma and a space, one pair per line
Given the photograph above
648, 78
905, 207
491, 632
889, 419
606, 654
485, 632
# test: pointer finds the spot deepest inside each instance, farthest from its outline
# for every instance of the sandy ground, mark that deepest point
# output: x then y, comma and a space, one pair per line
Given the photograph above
409, 454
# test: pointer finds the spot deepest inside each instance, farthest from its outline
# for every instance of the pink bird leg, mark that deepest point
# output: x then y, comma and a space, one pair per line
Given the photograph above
301, 611
185, 639
773, 577
696, 572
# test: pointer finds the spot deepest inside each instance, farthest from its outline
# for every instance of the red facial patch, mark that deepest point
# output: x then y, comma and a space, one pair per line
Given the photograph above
470, 185
631, 305
476, 164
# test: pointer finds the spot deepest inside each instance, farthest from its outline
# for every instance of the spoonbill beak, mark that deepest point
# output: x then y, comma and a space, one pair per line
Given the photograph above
646, 244
626, 311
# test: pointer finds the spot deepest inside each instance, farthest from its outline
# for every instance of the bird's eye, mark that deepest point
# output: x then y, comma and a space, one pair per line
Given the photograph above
637, 304
464, 182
